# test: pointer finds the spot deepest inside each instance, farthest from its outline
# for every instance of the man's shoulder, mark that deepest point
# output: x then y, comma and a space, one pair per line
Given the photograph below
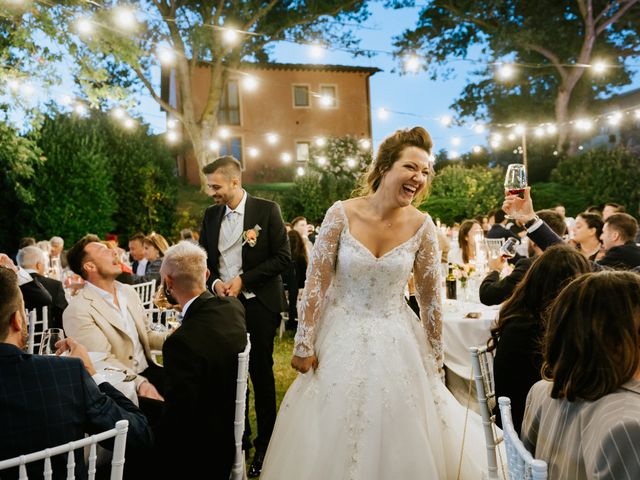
213, 209
51, 283
261, 202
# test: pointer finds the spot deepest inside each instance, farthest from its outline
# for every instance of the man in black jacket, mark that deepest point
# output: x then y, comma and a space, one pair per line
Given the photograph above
248, 250
32, 260
495, 290
618, 238
201, 363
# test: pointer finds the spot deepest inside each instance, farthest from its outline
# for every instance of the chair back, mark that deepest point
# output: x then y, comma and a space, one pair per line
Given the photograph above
482, 362
145, 292
117, 459
493, 246
238, 472
38, 324
520, 462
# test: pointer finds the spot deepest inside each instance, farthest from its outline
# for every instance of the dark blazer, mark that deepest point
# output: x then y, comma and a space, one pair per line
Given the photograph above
35, 295
517, 363
494, 291
499, 231
49, 400
263, 263
544, 237
59, 301
622, 257
201, 363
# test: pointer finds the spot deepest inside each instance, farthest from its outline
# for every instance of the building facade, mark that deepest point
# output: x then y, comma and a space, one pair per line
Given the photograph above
271, 114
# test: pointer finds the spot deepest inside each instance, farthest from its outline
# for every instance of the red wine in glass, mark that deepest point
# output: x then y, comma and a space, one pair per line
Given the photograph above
515, 181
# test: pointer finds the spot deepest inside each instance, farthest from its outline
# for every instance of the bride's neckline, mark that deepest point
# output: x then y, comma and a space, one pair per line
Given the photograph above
362, 245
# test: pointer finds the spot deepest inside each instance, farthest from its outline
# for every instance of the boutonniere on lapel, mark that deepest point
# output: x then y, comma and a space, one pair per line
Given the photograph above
250, 236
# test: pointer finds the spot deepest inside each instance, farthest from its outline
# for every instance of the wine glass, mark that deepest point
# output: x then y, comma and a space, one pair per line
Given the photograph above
515, 181
49, 339
508, 248
160, 298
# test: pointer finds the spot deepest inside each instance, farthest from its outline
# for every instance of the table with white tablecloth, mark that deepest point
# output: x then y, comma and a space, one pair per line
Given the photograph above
459, 332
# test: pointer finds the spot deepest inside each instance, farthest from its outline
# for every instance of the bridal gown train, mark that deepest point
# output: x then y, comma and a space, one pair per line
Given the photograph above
376, 407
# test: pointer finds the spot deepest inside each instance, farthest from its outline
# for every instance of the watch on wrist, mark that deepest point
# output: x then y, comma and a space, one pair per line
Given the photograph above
530, 223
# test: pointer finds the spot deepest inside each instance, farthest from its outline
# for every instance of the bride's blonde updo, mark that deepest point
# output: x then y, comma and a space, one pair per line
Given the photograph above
389, 152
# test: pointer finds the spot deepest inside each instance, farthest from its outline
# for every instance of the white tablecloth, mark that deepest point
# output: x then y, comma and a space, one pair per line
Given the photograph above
459, 333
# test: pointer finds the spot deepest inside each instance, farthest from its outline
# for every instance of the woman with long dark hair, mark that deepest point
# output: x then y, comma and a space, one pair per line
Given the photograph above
517, 334
584, 418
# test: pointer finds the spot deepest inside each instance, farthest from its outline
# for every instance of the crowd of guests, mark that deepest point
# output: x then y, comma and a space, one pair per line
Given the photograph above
565, 340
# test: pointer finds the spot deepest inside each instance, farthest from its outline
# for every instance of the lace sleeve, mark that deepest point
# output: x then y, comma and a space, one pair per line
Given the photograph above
319, 275
426, 271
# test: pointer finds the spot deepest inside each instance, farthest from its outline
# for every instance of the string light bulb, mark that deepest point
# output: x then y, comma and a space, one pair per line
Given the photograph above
455, 141
316, 51
383, 113
286, 157
166, 55
230, 35
321, 141
214, 145
614, 118
519, 129
446, 120
272, 138
129, 124
479, 128
365, 144
172, 123
124, 18
322, 161
506, 72
80, 109
250, 83
351, 162
551, 129
84, 26
477, 149
326, 100
300, 171
224, 133
412, 64
172, 136
253, 152
599, 67
118, 113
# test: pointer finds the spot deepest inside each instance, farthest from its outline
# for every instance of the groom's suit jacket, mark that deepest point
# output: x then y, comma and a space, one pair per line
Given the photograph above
263, 263
92, 322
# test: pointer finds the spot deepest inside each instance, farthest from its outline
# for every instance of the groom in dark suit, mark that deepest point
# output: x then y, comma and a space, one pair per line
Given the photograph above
248, 250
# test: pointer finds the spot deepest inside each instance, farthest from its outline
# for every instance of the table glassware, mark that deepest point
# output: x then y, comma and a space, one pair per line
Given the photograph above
49, 339
508, 248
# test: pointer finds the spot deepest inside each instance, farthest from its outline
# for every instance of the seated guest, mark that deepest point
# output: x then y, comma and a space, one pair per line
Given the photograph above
33, 292
154, 247
466, 241
495, 290
31, 259
51, 400
618, 233
584, 418
610, 208
136, 254
196, 431
498, 229
187, 234
108, 316
517, 334
618, 238
586, 235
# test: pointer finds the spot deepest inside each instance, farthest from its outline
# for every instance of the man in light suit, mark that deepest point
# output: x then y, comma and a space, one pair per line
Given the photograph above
108, 316
51, 400
248, 249
201, 364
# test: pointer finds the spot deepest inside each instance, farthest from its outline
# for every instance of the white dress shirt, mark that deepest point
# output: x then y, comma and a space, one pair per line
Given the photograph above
141, 267
230, 260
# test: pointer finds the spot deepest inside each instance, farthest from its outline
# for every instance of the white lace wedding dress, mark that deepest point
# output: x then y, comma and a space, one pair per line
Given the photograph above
376, 407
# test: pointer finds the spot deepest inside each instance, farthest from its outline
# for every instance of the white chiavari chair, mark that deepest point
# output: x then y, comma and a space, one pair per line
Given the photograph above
119, 433
482, 362
239, 471
145, 292
520, 462
38, 324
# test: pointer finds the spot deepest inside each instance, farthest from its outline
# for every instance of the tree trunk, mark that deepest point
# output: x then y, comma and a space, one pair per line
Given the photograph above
562, 117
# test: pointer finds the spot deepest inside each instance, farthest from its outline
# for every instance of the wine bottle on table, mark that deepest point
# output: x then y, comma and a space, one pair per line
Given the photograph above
451, 284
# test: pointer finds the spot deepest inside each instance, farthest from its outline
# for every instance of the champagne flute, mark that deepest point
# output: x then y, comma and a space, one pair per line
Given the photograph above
49, 340
515, 181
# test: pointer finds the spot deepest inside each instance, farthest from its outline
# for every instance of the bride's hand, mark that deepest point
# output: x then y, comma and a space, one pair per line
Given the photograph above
303, 364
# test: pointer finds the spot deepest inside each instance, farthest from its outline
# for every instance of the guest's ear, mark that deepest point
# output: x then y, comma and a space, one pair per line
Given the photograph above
17, 321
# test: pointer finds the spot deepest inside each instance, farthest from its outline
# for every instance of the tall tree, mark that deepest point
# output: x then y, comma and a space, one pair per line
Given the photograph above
554, 42
117, 47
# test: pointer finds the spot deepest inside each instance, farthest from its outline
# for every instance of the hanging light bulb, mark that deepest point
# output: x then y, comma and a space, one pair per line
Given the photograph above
250, 83
365, 144
351, 162
551, 129
118, 113
253, 152
214, 145
322, 161
412, 64
172, 136
286, 157
84, 26
125, 18
224, 133
321, 141
166, 55
272, 138
300, 171
230, 35
316, 50
383, 113
477, 149
506, 72
446, 120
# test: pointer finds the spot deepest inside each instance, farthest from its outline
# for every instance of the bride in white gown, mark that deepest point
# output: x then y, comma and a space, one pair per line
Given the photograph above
371, 403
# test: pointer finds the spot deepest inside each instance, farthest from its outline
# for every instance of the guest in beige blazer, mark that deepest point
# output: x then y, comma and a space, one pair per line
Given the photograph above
108, 316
